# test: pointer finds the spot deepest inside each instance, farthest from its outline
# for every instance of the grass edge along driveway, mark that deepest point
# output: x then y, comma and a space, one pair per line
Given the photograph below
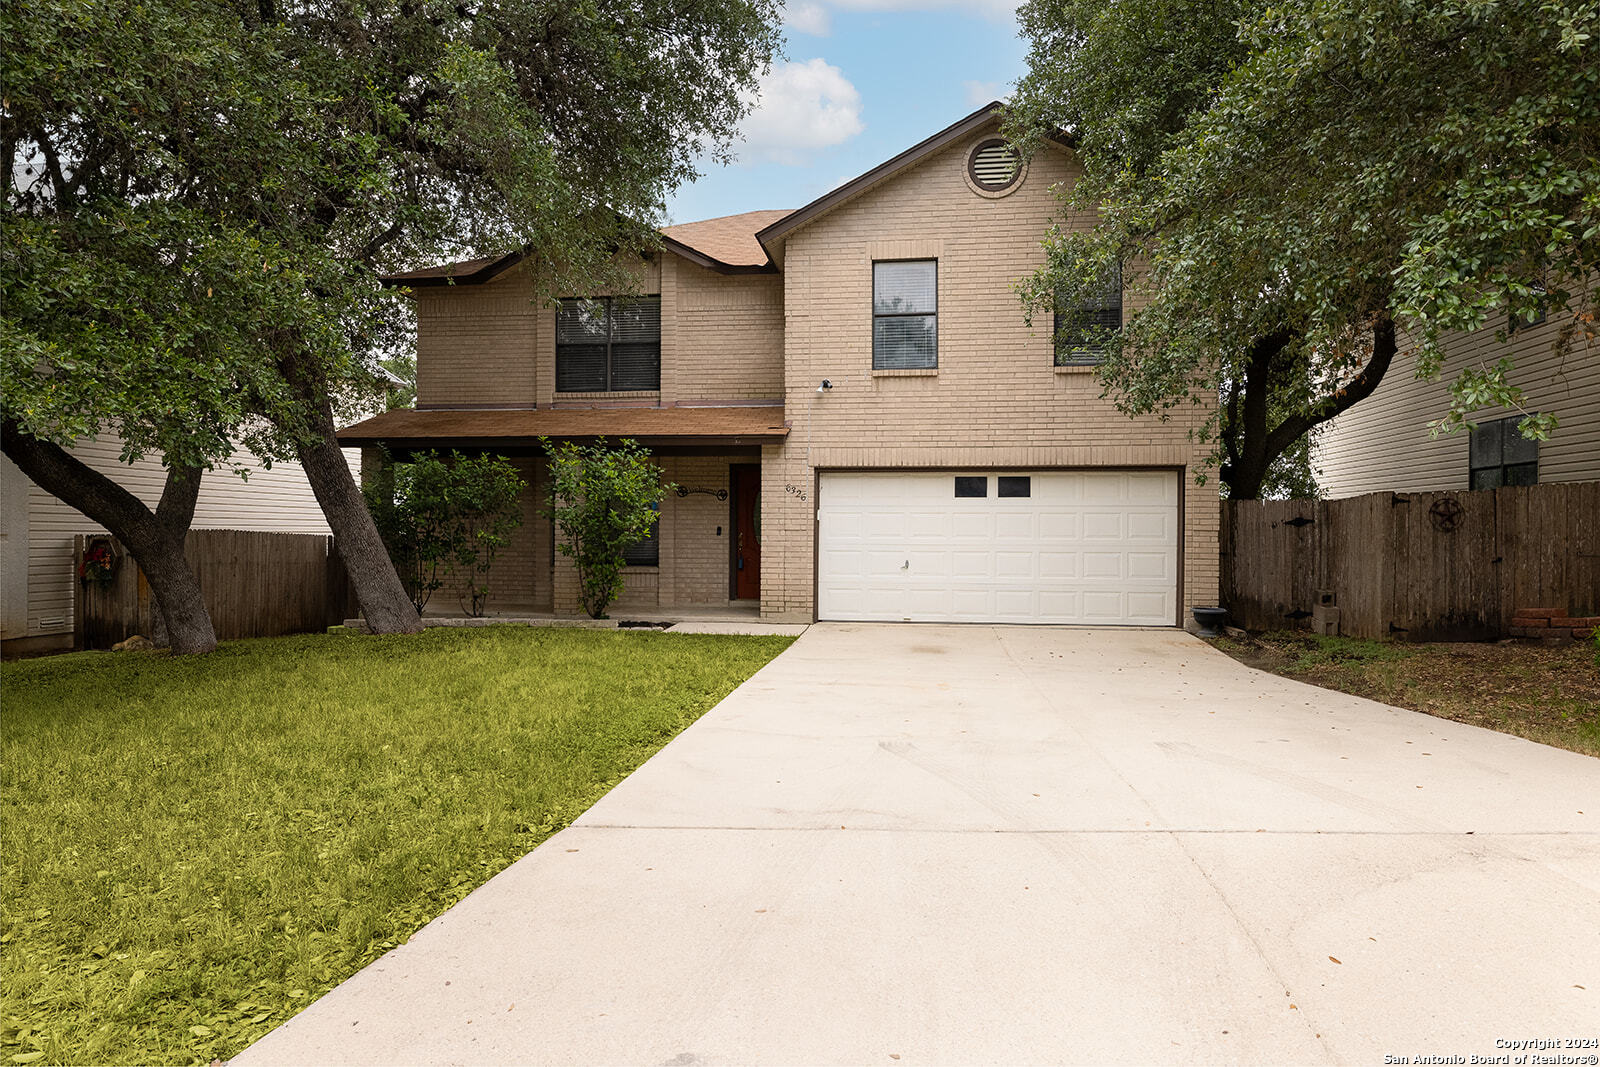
196, 848
1546, 694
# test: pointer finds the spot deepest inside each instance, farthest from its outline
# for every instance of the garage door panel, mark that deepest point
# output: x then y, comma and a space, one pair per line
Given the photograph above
882, 564
1105, 526
1099, 566
1096, 547
1061, 566
972, 603
1151, 608
1103, 606
1060, 603
1150, 526
972, 526
970, 563
1150, 490
1015, 603
1101, 489
1014, 527
1015, 565
927, 602
1149, 566
1057, 525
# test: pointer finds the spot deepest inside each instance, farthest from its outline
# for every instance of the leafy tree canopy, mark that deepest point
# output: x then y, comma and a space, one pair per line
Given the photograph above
195, 188
200, 196
1286, 185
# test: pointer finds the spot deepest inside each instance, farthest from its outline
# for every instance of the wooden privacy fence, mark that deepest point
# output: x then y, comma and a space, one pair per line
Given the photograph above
254, 585
1418, 566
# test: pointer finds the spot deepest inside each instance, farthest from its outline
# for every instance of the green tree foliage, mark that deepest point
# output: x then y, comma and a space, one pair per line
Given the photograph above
201, 195
1288, 185
446, 517
604, 499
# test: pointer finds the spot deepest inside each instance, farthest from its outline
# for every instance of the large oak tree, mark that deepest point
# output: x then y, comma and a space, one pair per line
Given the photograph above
1302, 189
201, 195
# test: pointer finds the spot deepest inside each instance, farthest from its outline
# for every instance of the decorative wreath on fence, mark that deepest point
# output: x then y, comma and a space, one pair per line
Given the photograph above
101, 554
1446, 514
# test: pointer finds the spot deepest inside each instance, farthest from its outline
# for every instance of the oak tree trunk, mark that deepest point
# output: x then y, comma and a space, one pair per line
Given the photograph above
384, 601
1250, 444
154, 539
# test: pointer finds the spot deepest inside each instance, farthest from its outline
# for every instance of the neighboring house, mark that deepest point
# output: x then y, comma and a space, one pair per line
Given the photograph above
36, 531
1383, 443
861, 424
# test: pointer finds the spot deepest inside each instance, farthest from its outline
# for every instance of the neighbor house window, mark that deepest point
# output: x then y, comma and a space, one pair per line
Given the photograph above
608, 345
905, 314
1515, 321
1500, 455
1083, 330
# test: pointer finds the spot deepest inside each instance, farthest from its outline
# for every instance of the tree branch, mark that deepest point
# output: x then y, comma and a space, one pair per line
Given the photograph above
1294, 427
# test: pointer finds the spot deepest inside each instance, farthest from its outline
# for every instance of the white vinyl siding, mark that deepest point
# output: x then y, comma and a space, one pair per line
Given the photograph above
1382, 444
279, 499
1086, 547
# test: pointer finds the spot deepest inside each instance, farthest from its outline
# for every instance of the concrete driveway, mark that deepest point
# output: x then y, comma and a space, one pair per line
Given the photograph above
940, 844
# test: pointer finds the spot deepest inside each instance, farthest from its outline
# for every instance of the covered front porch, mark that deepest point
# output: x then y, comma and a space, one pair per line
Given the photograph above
705, 554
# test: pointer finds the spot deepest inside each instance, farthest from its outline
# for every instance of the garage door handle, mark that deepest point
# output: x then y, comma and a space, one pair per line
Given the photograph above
906, 565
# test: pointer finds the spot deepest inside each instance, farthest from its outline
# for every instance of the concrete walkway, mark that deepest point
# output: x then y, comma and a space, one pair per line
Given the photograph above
930, 844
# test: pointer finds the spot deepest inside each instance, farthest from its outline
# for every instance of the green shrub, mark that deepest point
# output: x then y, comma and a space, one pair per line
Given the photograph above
603, 500
444, 517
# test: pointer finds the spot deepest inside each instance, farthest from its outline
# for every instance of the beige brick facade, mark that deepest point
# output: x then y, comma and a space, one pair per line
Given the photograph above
994, 401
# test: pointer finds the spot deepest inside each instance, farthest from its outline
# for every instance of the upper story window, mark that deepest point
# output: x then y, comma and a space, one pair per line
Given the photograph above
608, 345
1500, 455
1082, 332
905, 314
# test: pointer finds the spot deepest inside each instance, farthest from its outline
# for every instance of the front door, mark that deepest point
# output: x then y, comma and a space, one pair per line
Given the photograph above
746, 532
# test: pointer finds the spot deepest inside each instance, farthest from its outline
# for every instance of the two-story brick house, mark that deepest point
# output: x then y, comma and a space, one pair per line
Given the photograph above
860, 421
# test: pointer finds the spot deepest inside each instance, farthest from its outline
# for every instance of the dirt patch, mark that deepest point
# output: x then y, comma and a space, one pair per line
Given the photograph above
1550, 695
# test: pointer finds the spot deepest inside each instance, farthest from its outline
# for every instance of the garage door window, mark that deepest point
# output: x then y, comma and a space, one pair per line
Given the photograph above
1019, 486
970, 487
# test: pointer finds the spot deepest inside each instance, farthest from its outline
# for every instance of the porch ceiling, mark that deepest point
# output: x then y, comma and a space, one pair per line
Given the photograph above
733, 426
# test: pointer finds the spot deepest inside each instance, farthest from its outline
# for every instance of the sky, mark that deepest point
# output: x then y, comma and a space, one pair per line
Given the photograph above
860, 82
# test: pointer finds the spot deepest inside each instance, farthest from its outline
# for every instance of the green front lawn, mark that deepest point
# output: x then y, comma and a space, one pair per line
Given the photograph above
195, 849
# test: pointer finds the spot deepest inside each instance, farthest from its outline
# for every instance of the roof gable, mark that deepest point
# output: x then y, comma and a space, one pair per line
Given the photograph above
751, 242
772, 238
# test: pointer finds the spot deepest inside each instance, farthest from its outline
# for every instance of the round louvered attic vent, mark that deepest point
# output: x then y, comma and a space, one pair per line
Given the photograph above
993, 165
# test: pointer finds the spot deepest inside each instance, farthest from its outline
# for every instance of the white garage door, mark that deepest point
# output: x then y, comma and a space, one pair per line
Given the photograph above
1097, 547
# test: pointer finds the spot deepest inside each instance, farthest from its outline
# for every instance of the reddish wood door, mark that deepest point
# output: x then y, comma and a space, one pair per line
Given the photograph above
747, 533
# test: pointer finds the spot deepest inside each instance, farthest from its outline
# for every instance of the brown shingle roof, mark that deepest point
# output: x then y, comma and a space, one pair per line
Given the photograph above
728, 243
730, 239
708, 425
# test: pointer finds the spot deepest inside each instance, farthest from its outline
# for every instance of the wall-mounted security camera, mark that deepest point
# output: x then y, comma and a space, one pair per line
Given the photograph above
825, 386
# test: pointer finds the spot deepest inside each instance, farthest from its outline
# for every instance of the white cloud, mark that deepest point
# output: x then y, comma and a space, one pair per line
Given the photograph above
980, 93
808, 18
801, 107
